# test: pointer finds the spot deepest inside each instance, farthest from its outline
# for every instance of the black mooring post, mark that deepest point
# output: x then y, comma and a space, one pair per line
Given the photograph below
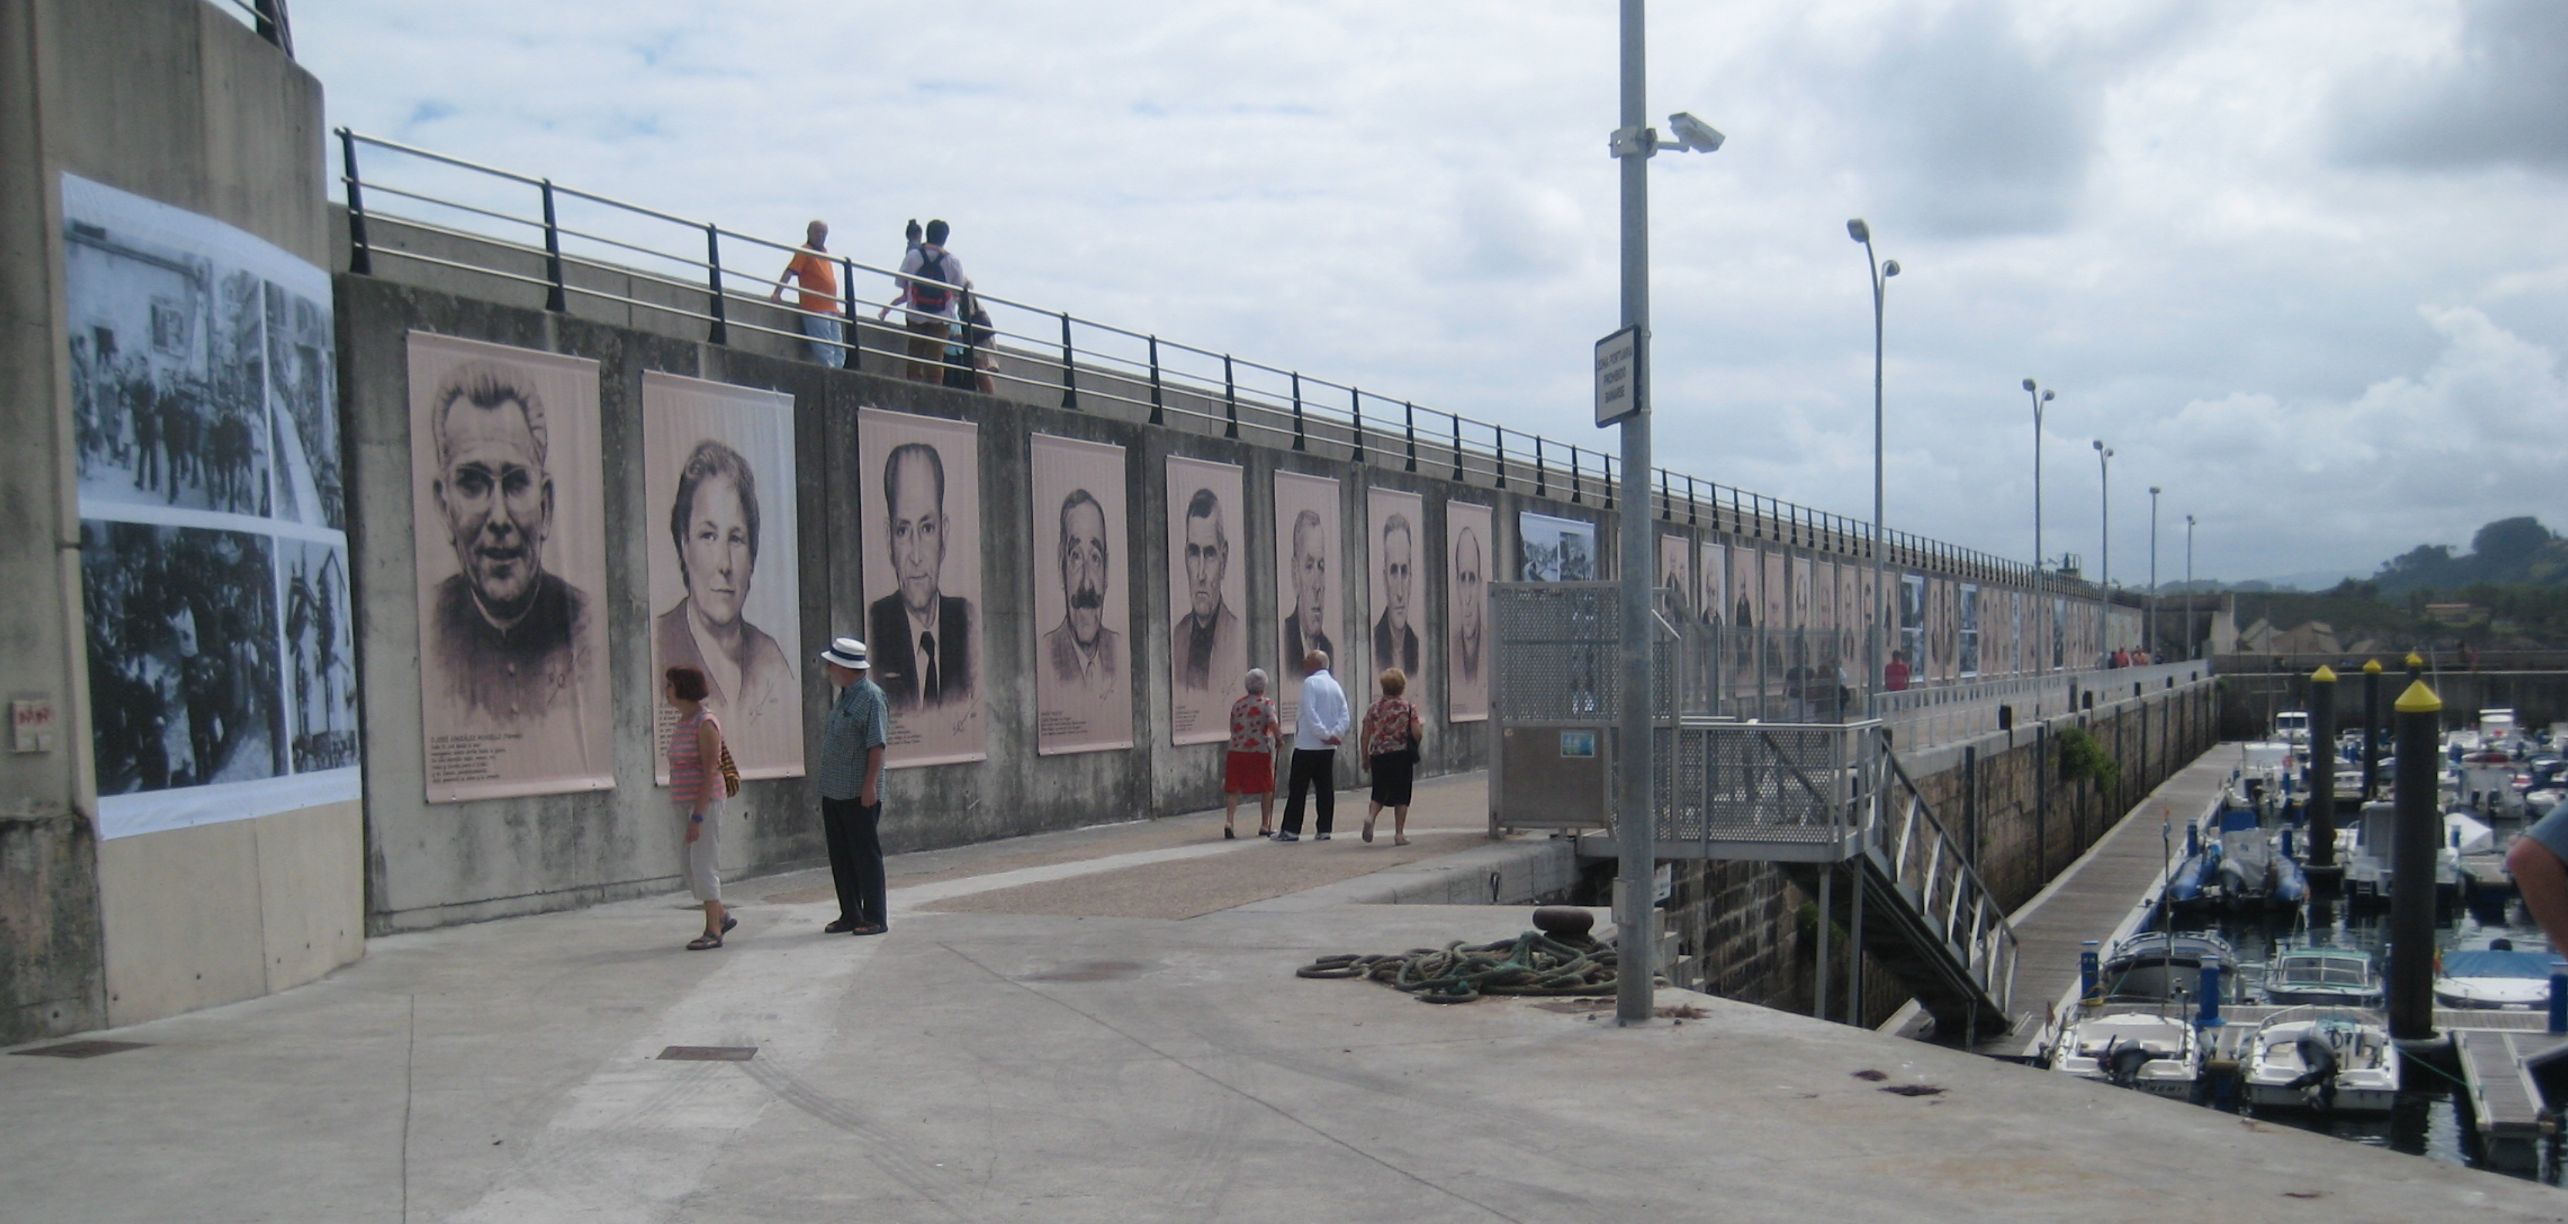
360, 256
720, 333
2371, 728
2416, 844
1300, 439
1230, 400
556, 295
855, 328
1158, 407
2322, 769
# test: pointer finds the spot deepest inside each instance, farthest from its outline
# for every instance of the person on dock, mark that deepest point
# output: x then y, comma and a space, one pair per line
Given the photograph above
2538, 861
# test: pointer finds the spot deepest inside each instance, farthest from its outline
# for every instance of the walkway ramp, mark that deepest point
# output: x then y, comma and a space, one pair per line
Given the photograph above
1833, 803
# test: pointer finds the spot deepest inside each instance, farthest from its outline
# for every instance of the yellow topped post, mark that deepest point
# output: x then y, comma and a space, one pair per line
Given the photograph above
2371, 667
2324, 675
2418, 699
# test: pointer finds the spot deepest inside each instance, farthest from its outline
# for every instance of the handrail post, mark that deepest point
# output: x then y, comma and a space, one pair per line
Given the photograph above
1355, 396
1667, 504
1409, 428
1542, 478
360, 256
1457, 447
1069, 371
1158, 408
721, 333
855, 331
556, 298
1300, 438
1609, 484
1574, 493
1502, 454
1230, 400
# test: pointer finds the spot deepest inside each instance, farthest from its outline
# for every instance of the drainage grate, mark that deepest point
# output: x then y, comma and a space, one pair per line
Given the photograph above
86, 1049
708, 1053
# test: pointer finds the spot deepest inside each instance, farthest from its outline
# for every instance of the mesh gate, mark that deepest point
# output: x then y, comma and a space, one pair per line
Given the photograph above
1799, 787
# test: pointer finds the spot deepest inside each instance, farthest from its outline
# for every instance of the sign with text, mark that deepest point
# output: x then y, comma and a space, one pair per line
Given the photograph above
1618, 376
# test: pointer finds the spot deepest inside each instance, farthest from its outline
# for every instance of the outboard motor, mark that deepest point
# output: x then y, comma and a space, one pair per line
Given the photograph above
2122, 1063
2319, 1055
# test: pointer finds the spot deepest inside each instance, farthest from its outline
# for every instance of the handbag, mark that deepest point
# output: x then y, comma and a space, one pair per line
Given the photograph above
730, 773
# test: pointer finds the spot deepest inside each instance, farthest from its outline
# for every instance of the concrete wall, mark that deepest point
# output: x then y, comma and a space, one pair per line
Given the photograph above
435, 864
178, 101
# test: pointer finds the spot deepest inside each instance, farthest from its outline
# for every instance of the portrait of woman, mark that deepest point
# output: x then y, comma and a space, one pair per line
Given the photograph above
713, 521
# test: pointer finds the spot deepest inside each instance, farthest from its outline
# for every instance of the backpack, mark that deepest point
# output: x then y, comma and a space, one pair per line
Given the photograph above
927, 297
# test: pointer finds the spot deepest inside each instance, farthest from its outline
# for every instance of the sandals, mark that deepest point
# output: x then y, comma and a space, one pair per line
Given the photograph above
1368, 832
711, 939
1399, 841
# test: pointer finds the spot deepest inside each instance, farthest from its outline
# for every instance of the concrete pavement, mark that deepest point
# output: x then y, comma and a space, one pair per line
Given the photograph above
1001, 1056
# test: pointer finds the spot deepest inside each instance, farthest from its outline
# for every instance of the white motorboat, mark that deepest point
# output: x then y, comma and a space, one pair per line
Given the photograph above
2493, 978
2336, 1060
2156, 1054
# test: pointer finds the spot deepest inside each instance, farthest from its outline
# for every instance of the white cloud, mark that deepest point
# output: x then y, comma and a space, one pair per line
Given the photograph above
2154, 207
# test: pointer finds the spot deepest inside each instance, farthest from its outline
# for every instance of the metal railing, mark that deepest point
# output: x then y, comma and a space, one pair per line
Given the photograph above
268, 18
1933, 873
577, 246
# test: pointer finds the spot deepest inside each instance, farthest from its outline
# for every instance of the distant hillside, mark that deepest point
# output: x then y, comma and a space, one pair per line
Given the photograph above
2509, 591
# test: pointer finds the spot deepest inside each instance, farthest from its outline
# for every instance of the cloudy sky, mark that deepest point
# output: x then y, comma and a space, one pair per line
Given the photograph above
2301, 264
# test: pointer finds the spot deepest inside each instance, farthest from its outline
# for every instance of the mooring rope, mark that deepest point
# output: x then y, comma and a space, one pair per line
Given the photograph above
1530, 964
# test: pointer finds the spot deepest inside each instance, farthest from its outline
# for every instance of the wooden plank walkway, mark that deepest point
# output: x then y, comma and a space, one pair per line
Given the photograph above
2102, 896
2503, 1097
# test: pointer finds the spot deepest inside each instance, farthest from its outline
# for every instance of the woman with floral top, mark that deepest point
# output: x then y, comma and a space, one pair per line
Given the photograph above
1255, 734
1389, 747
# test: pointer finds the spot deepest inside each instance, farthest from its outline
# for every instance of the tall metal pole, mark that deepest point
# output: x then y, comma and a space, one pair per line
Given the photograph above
2192, 647
2104, 506
1634, 999
2152, 646
1881, 274
2040, 397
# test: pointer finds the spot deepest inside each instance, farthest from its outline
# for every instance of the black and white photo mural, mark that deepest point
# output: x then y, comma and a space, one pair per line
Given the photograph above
1555, 549
214, 570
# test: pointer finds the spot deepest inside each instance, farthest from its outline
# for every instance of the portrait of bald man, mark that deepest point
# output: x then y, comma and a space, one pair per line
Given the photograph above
1306, 627
1395, 640
1470, 599
922, 637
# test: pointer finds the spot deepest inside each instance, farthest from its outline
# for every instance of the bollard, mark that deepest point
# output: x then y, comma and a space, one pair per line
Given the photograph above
2090, 968
2322, 767
2208, 1015
2559, 998
2371, 728
2418, 834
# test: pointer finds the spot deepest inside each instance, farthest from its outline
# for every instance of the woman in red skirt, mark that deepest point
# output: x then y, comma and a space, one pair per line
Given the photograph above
1250, 767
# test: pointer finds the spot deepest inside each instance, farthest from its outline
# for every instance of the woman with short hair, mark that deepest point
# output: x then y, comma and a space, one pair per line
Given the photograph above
1256, 735
1389, 748
696, 786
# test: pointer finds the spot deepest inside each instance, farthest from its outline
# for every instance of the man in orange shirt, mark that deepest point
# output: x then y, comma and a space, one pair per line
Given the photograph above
819, 301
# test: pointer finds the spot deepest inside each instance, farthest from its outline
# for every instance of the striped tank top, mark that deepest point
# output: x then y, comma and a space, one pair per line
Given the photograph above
688, 772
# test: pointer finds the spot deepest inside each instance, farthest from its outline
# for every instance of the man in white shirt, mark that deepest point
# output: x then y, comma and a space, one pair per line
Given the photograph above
1320, 729
932, 285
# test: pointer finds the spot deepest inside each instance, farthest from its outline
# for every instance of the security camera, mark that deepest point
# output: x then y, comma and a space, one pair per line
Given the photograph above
1696, 135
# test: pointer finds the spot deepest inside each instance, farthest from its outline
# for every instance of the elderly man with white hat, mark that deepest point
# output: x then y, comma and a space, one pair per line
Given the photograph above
849, 773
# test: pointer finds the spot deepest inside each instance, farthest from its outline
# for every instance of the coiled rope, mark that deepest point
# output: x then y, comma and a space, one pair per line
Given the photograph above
1530, 964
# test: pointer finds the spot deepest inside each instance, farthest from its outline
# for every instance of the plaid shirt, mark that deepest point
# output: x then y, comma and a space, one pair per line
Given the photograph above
859, 720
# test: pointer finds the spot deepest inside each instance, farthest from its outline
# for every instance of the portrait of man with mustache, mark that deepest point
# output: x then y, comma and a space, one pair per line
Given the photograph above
1084, 654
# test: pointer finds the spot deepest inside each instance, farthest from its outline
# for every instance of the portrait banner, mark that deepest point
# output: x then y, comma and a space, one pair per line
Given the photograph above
920, 518
1747, 615
1804, 612
1207, 591
1968, 620
1553, 549
1912, 625
1467, 554
1393, 522
718, 484
1823, 609
508, 513
218, 625
1676, 593
1082, 597
1306, 547
1710, 590
1854, 620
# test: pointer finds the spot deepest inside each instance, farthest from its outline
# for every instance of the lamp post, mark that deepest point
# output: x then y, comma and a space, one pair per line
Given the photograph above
2104, 502
2040, 397
1632, 144
2189, 588
1880, 274
2153, 572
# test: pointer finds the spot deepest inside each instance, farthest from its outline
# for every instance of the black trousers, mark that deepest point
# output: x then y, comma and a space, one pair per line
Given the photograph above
856, 859
1312, 767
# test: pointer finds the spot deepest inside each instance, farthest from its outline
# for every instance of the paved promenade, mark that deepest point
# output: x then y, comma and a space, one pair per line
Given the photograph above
1103, 1026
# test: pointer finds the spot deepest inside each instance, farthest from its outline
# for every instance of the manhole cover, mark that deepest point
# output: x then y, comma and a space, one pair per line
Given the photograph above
1091, 971
85, 1049
709, 1053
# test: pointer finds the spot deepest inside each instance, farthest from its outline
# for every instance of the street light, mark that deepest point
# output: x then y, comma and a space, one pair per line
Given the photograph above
2104, 500
2152, 647
2189, 583
1632, 144
1880, 274
2040, 397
